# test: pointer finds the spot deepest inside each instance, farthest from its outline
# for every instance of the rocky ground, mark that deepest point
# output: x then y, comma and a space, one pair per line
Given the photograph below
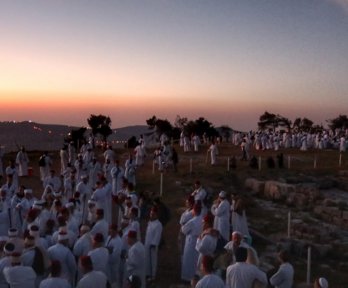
317, 199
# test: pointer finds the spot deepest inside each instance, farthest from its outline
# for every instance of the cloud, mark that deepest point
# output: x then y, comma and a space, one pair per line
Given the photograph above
342, 3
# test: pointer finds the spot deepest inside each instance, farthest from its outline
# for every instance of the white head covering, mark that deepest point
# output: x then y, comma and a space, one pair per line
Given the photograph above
28, 191
323, 282
222, 194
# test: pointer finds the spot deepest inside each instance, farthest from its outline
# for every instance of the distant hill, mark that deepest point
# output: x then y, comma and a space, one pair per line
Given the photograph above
36, 136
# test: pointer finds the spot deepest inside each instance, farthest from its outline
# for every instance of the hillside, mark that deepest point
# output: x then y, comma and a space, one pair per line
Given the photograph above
36, 136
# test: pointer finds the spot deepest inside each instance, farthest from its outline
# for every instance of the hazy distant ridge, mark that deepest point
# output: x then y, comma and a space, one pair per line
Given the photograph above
36, 136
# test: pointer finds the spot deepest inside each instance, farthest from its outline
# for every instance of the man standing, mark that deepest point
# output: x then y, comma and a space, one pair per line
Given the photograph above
135, 264
152, 241
209, 279
284, 277
242, 274
91, 278
221, 211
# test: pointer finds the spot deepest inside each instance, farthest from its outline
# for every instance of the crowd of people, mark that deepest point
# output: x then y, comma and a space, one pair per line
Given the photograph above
83, 229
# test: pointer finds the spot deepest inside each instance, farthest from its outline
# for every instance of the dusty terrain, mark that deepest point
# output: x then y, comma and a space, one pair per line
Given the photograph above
266, 217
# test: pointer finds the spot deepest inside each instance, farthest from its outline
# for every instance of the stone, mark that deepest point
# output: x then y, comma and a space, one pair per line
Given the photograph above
255, 185
278, 191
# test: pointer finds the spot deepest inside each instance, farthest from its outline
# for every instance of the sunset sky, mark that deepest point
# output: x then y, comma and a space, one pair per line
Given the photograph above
225, 60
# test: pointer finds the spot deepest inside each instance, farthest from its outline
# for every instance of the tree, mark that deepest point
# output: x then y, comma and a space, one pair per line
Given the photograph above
340, 122
161, 126
226, 132
201, 126
77, 136
273, 121
303, 124
180, 122
100, 124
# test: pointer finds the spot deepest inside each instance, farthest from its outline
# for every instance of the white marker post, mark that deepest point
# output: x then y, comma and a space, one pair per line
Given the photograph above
340, 161
228, 164
309, 256
289, 162
190, 165
260, 163
161, 184
289, 224
315, 162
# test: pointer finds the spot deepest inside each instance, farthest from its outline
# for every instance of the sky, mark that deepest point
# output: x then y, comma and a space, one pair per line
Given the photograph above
226, 60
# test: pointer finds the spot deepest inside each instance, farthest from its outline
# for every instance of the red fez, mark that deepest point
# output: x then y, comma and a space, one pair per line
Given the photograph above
197, 208
191, 200
134, 210
32, 213
98, 237
154, 209
132, 234
86, 262
100, 212
56, 267
77, 194
113, 227
64, 210
209, 218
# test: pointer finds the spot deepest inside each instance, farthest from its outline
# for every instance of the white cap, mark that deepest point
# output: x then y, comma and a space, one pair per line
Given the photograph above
222, 194
28, 191
13, 232
323, 282
69, 205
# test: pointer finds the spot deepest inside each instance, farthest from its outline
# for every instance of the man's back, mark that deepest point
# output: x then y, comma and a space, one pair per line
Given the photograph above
243, 275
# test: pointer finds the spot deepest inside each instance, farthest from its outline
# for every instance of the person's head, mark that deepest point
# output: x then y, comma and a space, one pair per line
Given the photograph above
113, 230
133, 281
321, 283
63, 238
241, 254
237, 237
100, 214
84, 229
98, 240
56, 268
222, 195
154, 213
134, 212
208, 221
131, 237
16, 259
28, 193
197, 184
86, 264
283, 256
190, 201
207, 265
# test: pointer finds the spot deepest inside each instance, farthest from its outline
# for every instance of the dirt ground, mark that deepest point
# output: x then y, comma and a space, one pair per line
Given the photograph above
177, 185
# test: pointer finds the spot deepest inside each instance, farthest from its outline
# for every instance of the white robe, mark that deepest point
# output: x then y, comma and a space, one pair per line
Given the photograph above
93, 279
55, 282
210, 281
152, 241
135, 264
114, 246
284, 277
22, 161
20, 276
192, 229
243, 275
67, 260
222, 218
100, 259
4, 262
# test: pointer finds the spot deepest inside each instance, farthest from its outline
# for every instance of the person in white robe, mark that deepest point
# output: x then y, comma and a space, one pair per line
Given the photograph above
130, 169
117, 174
45, 163
18, 276
184, 218
221, 210
22, 160
209, 280
139, 153
207, 240
152, 240
213, 150
114, 245
99, 254
109, 154
12, 170
64, 159
62, 253
192, 229
101, 226
242, 274
95, 169
284, 277
5, 261
91, 278
196, 142
84, 243
55, 280
135, 263
53, 180
239, 219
